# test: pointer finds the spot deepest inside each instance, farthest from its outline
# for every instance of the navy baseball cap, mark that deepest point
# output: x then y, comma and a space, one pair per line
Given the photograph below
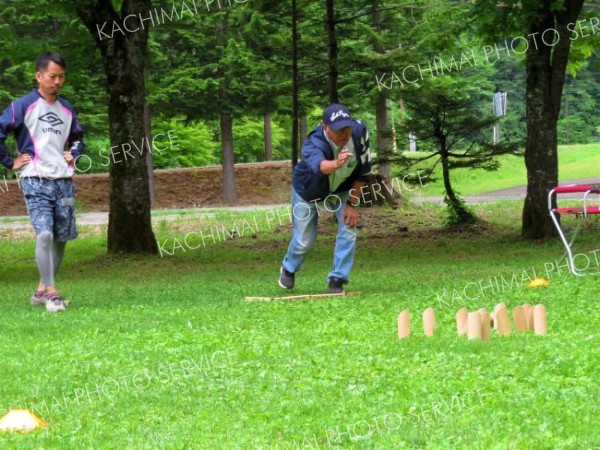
336, 116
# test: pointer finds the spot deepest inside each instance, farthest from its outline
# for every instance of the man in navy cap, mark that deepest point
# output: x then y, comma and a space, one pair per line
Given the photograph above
334, 166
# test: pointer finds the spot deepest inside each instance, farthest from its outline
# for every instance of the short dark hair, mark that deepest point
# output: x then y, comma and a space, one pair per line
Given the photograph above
41, 63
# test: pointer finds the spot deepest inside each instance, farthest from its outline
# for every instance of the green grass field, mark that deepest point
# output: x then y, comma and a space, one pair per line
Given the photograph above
164, 353
575, 161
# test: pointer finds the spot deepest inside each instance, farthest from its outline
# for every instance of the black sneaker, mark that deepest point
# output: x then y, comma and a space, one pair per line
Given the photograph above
336, 285
286, 280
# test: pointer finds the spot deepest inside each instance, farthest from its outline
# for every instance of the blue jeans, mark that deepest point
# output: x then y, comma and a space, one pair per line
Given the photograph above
305, 233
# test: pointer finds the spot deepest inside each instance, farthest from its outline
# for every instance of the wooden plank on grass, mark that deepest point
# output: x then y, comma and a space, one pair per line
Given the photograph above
292, 298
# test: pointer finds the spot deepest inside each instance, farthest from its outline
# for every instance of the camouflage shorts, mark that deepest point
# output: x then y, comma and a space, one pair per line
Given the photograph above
51, 206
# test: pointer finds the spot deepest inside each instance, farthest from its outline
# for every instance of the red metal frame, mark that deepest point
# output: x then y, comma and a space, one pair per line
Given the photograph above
579, 211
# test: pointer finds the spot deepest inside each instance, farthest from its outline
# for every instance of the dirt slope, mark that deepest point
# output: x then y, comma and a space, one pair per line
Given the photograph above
257, 184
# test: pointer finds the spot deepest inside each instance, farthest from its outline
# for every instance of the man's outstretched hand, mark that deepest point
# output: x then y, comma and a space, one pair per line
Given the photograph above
327, 166
344, 156
350, 216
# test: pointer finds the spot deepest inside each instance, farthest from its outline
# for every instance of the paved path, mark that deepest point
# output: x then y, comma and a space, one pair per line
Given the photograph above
513, 193
100, 218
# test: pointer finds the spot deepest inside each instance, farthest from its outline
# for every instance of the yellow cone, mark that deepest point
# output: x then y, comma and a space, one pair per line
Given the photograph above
538, 282
21, 420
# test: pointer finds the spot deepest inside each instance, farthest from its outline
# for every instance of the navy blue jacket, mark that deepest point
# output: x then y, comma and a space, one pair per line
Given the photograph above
308, 180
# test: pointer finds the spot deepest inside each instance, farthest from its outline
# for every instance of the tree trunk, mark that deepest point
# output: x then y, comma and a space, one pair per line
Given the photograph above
295, 83
460, 214
546, 66
268, 137
452, 198
229, 194
384, 136
303, 128
149, 161
381, 116
124, 58
332, 45
541, 154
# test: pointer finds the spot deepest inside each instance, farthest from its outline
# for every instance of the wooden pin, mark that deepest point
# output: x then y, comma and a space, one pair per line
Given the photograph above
474, 325
461, 321
496, 308
428, 322
519, 319
404, 324
485, 324
301, 297
539, 319
502, 321
484, 311
528, 316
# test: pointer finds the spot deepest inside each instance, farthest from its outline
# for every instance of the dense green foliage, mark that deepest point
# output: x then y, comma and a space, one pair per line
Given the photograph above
191, 67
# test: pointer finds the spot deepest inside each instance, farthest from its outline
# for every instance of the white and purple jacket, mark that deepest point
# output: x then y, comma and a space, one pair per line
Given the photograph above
44, 130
